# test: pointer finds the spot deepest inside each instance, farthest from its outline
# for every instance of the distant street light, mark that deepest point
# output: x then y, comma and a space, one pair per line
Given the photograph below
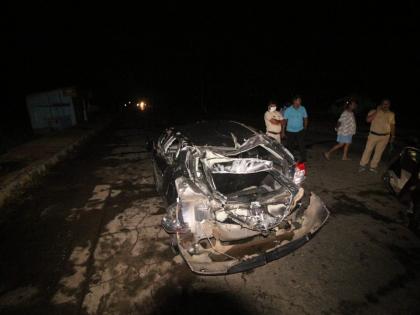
142, 106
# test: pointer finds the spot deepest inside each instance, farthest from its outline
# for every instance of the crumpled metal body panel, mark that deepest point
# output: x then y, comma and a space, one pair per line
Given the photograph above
239, 166
311, 219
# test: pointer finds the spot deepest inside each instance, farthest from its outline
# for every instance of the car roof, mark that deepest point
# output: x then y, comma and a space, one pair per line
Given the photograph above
216, 133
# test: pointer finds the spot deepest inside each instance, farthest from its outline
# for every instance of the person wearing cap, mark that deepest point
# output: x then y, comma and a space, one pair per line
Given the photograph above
382, 131
273, 122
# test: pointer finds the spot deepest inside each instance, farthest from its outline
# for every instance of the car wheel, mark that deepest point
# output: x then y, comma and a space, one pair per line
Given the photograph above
387, 179
174, 245
414, 218
157, 178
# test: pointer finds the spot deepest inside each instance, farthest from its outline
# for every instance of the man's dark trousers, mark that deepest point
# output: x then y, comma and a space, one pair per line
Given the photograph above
299, 139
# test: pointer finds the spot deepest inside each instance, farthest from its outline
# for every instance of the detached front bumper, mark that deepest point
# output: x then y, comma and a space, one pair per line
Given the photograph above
305, 222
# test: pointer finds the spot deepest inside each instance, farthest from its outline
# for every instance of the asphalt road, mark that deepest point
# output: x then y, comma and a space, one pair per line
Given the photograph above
87, 240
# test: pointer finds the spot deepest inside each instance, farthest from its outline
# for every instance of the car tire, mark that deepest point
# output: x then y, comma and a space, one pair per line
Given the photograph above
414, 219
174, 245
386, 179
157, 178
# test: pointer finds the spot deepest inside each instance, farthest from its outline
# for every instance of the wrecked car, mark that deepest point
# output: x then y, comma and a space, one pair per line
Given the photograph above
402, 178
235, 197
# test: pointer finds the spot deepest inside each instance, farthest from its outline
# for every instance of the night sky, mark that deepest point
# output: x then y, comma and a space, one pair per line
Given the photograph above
234, 58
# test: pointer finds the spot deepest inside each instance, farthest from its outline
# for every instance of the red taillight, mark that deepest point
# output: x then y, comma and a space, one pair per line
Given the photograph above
301, 166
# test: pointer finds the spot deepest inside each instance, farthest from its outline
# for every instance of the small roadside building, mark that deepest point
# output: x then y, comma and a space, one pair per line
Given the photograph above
56, 109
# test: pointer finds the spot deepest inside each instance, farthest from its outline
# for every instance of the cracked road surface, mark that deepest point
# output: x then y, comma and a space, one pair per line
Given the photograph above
87, 240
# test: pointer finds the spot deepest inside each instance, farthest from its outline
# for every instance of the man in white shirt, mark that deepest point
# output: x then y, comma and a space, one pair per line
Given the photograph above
273, 122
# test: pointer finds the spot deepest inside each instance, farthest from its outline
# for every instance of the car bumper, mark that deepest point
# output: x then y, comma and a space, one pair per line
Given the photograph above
311, 219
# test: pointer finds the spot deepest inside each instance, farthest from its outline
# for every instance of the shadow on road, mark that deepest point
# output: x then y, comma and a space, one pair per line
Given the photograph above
189, 302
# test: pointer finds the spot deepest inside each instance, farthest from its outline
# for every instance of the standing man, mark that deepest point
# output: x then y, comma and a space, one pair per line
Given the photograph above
296, 119
273, 122
382, 131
